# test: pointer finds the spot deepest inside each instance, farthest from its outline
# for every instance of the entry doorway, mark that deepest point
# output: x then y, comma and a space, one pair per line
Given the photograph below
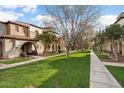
28, 49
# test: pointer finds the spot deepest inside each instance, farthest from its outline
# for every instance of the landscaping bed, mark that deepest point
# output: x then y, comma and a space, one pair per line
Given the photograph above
53, 72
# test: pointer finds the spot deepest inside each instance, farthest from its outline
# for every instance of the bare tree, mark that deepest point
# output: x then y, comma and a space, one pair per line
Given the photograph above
84, 38
69, 21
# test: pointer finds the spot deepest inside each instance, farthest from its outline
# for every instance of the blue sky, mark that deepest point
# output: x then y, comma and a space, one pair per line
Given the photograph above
32, 13
35, 14
113, 10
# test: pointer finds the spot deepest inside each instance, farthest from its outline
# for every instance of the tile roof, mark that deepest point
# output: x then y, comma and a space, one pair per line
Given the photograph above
121, 15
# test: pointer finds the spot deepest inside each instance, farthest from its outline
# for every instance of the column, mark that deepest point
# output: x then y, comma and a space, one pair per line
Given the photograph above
122, 48
54, 47
57, 48
118, 47
51, 48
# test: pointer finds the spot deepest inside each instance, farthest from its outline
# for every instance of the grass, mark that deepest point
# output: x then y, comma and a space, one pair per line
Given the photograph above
14, 60
52, 54
102, 55
118, 73
50, 73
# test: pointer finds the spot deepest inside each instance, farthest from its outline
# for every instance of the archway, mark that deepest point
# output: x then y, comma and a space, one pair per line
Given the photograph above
28, 48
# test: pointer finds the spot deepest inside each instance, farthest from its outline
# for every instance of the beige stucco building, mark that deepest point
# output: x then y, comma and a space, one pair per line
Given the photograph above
119, 47
16, 37
120, 43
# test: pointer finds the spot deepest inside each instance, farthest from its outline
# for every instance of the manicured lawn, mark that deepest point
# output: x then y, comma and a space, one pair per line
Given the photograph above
103, 56
52, 54
53, 72
118, 73
15, 60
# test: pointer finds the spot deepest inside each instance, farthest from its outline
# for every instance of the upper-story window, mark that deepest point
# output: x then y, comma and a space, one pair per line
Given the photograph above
16, 28
24, 30
36, 33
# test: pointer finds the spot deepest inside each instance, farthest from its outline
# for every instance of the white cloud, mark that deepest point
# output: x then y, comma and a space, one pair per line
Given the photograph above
12, 16
41, 18
15, 13
9, 6
30, 8
9, 13
106, 20
103, 21
25, 8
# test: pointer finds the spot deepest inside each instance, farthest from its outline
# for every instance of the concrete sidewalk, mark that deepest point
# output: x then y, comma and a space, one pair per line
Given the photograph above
100, 77
30, 61
114, 64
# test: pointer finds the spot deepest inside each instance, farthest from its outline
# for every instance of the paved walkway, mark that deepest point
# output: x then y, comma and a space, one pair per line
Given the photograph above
2, 66
114, 64
100, 77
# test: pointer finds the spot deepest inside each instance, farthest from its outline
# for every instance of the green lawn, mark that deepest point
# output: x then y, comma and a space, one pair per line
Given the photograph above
118, 73
102, 55
15, 60
53, 72
52, 54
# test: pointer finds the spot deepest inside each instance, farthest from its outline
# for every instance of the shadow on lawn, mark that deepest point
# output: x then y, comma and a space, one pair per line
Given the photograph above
72, 73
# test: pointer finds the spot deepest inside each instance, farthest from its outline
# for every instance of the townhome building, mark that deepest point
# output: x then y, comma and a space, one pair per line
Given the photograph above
17, 37
120, 43
119, 46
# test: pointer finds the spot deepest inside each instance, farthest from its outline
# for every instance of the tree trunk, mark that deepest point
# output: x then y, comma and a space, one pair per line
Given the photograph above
45, 49
78, 50
82, 49
67, 52
115, 53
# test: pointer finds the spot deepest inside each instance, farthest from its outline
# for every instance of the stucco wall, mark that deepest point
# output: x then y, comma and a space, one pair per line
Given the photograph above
39, 47
20, 32
108, 46
13, 47
121, 22
8, 47
2, 29
33, 30
2, 47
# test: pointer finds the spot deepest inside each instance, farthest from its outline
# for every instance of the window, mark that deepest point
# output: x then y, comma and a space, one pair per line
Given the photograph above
23, 29
36, 33
16, 28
